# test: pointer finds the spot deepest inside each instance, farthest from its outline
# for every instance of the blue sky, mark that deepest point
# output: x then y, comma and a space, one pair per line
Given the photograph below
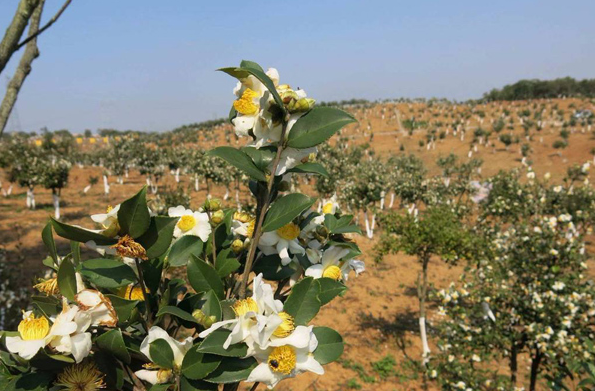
150, 65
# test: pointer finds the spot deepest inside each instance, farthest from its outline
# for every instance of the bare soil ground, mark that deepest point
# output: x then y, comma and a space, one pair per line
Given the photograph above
378, 315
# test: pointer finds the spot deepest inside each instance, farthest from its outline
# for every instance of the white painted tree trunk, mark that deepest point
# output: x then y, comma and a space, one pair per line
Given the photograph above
126, 173
148, 181
392, 200
369, 227
86, 189
56, 201
226, 195
238, 199
120, 180
9, 191
30, 199
424, 340
196, 184
177, 175
382, 197
105, 185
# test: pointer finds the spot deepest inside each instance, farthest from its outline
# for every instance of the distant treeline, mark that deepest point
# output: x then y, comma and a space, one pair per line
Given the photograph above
542, 89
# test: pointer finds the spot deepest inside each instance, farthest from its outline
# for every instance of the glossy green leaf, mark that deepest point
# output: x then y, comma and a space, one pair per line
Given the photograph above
75, 250
80, 234
196, 385
232, 370
203, 277
303, 302
285, 209
177, 312
213, 344
226, 263
317, 126
113, 343
330, 345
212, 306
133, 215
329, 289
67, 279
123, 307
108, 273
161, 353
47, 235
158, 236
310, 168
238, 159
183, 249
197, 365
340, 225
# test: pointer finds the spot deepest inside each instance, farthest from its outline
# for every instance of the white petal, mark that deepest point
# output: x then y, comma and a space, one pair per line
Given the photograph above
81, 346
148, 376
263, 374
315, 271
308, 363
216, 326
300, 338
269, 239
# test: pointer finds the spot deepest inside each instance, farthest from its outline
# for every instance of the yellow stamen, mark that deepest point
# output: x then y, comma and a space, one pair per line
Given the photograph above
245, 104
127, 247
109, 209
49, 286
333, 272
289, 231
327, 208
32, 328
131, 292
186, 223
285, 328
80, 377
242, 217
242, 307
250, 228
282, 359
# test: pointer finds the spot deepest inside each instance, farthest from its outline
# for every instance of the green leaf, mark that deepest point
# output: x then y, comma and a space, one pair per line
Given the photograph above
161, 353
212, 306
251, 68
303, 302
175, 311
329, 289
158, 236
251, 64
133, 215
47, 235
232, 370
108, 273
67, 279
113, 343
330, 345
285, 209
48, 305
317, 126
271, 268
203, 277
183, 249
261, 157
341, 225
111, 367
37, 381
197, 365
122, 306
240, 160
213, 344
161, 387
226, 263
196, 385
75, 250
80, 234
310, 168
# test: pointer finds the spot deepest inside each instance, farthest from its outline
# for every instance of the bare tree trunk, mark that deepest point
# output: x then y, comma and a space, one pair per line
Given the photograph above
14, 32
513, 364
24, 68
535, 369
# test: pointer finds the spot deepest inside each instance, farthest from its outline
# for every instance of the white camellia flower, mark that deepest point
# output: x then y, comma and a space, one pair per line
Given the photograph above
254, 311
34, 334
109, 221
99, 307
287, 357
330, 206
190, 223
292, 157
69, 332
252, 103
154, 374
281, 241
333, 266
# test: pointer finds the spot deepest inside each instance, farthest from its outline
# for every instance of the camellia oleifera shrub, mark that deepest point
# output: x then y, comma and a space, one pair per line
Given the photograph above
205, 299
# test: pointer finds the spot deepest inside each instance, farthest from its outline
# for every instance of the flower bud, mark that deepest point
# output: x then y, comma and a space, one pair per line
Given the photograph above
203, 319
322, 231
247, 244
217, 217
237, 246
212, 205
301, 105
289, 97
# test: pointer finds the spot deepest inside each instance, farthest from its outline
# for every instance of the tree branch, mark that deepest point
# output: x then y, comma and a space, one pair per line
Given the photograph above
48, 24
14, 32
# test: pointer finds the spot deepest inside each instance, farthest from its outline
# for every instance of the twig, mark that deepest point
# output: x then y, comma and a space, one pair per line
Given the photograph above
263, 209
254, 386
141, 280
48, 24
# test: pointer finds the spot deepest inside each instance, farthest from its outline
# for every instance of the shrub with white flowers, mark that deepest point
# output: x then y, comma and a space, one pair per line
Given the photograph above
201, 298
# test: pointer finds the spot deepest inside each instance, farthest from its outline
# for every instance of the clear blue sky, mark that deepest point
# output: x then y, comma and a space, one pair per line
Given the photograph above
149, 65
